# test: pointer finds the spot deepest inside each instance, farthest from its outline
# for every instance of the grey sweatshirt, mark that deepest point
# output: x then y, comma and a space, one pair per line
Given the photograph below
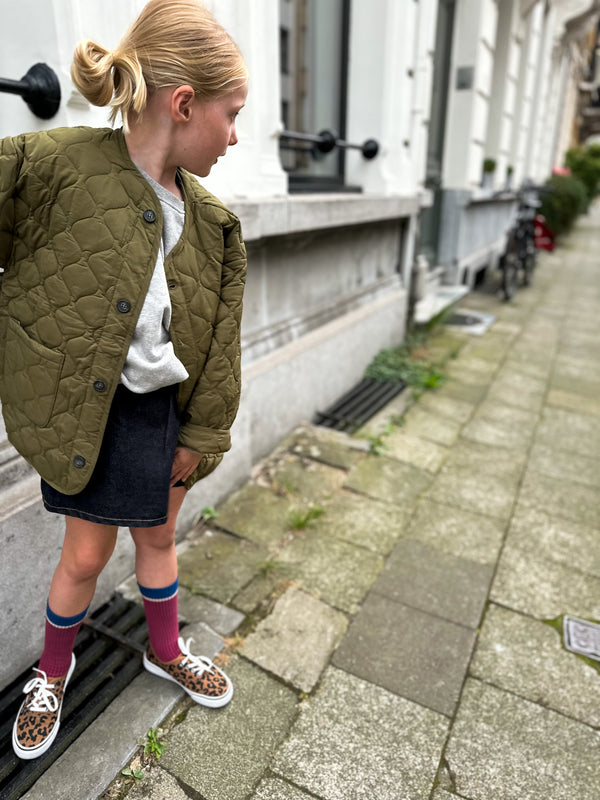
151, 362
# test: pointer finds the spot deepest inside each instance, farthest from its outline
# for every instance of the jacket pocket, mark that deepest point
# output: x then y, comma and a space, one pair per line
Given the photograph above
30, 373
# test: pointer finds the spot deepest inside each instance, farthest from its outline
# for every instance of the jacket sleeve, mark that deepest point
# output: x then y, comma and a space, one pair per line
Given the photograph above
214, 403
11, 158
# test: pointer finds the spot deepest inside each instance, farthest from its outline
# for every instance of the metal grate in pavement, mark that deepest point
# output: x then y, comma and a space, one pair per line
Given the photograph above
582, 636
358, 405
108, 649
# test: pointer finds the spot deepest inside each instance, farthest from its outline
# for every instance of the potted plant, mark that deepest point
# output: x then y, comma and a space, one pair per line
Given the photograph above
489, 167
509, 173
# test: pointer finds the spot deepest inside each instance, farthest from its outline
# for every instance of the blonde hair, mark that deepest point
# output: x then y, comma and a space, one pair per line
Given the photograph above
171, 43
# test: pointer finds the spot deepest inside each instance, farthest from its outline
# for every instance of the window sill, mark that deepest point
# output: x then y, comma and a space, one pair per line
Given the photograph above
280, 216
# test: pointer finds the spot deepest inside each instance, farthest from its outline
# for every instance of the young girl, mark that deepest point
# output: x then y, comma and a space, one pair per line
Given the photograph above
120, 316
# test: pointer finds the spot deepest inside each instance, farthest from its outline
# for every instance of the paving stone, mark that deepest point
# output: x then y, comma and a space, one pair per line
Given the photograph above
303, 480
517, 389
555, 538
561, 498
220, 565
337, 572
356, 741
221, 754
256, 513
413, 654
363, 521
296, 639
542, 588
526, 657
437, 583
415, 450
465, 392
506, 748
479, 493
442, 794
276, 789
442, 405
574, 402
321, 444
388, 479
270, 576
523, 363
570, 431
158, 785
568, 467
468, 362
457, 531
498, 433
422, 423
484, 459
568, 367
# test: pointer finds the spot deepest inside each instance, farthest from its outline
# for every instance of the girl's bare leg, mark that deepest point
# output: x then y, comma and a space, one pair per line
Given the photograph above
86, 550
155, 556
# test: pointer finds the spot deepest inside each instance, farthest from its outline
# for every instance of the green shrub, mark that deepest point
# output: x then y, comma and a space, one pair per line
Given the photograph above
565, 203
584, 163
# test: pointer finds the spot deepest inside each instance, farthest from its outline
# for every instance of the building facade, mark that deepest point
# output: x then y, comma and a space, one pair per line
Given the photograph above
358, 179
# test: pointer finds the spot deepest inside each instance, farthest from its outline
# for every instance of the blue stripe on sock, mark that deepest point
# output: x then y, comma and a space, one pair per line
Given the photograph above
64, 622
159, 594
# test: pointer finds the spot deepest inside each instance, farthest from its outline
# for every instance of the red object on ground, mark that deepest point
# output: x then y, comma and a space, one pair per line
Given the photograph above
544, 238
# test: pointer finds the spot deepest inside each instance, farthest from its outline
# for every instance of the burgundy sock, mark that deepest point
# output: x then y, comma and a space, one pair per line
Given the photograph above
58, 642
160, 606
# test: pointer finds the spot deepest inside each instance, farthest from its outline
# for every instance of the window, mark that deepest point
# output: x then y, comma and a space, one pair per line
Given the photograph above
314, 58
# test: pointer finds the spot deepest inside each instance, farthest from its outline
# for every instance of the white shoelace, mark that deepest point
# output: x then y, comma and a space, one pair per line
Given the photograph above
43, 699
196, 664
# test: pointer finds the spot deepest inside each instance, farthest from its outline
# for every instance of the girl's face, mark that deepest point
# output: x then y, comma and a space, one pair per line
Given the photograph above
211, 130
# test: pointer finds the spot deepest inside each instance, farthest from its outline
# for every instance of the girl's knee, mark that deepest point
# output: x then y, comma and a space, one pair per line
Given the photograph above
85, 563
160, 538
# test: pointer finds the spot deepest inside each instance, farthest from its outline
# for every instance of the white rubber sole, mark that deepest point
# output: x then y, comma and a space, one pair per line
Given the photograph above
203, 700
29, 753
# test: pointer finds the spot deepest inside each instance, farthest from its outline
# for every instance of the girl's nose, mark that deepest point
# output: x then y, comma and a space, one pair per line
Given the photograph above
233, 139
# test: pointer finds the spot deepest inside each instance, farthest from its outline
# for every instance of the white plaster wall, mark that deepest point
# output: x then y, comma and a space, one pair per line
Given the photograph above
504, 89
381, 74
423, 84
468, 109
527, 91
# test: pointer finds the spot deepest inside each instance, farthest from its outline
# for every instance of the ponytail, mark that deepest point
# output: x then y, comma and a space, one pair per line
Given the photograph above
107, 77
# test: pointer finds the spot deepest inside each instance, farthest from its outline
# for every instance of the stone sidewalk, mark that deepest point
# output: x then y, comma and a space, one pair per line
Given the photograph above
394, 617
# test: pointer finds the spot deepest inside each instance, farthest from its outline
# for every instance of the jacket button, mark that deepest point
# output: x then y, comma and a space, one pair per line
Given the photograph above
99, 386
124, 306
79, 462
149, 215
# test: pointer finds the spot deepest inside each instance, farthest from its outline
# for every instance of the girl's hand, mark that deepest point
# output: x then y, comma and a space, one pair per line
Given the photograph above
184, 463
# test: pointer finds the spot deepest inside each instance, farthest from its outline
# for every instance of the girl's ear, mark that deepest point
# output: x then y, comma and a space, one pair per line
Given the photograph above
181, 103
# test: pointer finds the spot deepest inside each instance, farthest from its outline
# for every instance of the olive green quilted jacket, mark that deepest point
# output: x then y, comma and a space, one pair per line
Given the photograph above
80, 230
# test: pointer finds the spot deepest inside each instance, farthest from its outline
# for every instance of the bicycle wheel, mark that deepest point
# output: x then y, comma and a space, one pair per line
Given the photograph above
509, 266
529, 264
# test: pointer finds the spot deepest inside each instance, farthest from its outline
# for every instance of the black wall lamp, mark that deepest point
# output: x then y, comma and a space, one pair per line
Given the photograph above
40, 89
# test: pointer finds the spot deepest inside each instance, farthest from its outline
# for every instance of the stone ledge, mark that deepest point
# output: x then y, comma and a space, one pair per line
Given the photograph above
281, 216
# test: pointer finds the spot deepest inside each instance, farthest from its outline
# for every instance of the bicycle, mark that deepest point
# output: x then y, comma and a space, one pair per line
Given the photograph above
520, 256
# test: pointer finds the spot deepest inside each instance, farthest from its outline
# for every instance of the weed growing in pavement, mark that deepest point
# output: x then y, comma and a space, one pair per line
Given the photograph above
209, 513
153, 746
300, 518
136, 774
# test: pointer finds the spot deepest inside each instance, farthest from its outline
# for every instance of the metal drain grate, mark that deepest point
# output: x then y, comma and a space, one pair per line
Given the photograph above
108, 650
358, 405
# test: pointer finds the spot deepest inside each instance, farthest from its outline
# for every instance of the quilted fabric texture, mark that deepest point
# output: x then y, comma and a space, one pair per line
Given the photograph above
78, 255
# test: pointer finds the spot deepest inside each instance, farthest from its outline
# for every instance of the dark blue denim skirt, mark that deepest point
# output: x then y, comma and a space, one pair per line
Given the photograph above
131, 481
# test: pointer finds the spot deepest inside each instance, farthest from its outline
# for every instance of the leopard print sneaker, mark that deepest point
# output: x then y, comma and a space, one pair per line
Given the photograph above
197, 675
38, 720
